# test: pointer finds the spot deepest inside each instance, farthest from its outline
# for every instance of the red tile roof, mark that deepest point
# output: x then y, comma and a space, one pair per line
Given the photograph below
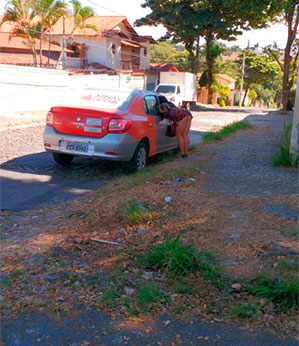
23, 59
102, 23
163, 67
220, 75
18, 42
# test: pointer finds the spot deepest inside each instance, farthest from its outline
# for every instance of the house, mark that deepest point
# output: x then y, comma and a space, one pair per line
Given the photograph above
102, 43
222, 78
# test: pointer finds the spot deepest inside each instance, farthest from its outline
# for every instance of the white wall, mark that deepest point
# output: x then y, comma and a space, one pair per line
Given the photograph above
145, 60
113, 60
33, 88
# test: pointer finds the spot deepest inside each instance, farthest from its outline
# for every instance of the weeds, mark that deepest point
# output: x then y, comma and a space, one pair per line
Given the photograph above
149, 294
172, 257
137, 213
177, 260
226, 131
284, 294
16, 273
282, 156
146, 297
110, 297
245, 311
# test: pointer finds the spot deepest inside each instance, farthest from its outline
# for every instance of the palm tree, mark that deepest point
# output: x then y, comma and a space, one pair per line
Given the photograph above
22, 13
49, 11
80, 14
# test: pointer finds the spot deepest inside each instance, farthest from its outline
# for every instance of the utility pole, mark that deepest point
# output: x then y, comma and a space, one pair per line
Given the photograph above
242, 80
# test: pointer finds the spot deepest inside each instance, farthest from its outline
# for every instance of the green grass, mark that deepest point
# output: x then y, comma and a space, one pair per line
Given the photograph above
282, 155
290, 232
150, 173
136, 214
172, 257
285, 295
226, 131
110, 297
149, 294
246, 311
146, 298
6, 283
175, 260
16, 273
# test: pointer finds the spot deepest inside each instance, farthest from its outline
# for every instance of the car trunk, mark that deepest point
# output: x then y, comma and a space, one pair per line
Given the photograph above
82, 122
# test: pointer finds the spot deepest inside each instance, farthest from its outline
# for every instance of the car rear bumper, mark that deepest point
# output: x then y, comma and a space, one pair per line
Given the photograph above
113, 146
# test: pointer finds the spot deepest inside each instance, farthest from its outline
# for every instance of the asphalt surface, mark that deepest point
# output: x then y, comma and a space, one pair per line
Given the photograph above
93, 328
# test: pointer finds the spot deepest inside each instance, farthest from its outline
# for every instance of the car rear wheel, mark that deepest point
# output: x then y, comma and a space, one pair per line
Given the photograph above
139, 159
63, 159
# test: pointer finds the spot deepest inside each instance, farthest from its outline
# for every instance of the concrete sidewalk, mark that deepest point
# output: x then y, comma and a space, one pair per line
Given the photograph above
17, 119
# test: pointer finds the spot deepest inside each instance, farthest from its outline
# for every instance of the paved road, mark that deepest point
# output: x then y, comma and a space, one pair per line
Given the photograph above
30, 178
95, 329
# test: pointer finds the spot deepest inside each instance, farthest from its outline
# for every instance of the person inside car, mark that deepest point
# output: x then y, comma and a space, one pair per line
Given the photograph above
181, 121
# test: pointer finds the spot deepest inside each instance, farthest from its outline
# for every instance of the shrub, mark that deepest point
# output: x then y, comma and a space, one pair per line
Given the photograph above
284, 294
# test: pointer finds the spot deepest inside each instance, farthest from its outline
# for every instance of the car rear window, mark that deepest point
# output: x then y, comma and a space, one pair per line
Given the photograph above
107, 99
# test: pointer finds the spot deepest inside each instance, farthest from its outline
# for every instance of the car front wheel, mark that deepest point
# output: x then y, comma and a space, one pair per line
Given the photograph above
139, 159
63, 159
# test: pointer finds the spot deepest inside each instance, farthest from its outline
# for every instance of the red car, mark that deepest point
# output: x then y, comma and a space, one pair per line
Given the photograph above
119, 125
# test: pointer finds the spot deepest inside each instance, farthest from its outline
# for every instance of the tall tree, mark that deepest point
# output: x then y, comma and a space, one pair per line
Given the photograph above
178, 18
291, 18
187, 20
49, 11
261, 74
165, 52
80, 15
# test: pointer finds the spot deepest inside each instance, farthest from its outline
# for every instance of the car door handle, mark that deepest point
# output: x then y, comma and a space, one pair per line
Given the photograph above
151, 124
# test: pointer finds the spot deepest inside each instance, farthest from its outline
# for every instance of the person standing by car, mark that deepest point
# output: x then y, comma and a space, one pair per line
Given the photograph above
181, 121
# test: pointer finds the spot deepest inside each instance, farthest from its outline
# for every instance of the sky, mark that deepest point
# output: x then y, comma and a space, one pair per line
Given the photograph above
132, 10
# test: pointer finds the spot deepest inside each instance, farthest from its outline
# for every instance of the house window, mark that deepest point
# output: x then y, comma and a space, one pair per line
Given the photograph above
145, 51
113, 48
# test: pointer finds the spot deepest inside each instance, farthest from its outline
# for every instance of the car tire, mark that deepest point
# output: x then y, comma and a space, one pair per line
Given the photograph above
139, 159
63, 159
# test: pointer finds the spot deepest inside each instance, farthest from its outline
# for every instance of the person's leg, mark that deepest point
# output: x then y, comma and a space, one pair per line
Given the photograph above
185, 133
180, 130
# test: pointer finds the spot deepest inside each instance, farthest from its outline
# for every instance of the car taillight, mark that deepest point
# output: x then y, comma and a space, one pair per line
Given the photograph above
119, 125
50, 118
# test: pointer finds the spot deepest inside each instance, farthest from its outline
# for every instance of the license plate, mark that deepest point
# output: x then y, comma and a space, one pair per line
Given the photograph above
82, 148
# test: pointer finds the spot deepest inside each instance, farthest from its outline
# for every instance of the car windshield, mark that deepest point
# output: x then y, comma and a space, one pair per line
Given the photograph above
166, 89
107, 99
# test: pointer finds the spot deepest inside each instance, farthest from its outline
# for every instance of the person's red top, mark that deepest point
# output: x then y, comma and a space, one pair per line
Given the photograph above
176, 114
